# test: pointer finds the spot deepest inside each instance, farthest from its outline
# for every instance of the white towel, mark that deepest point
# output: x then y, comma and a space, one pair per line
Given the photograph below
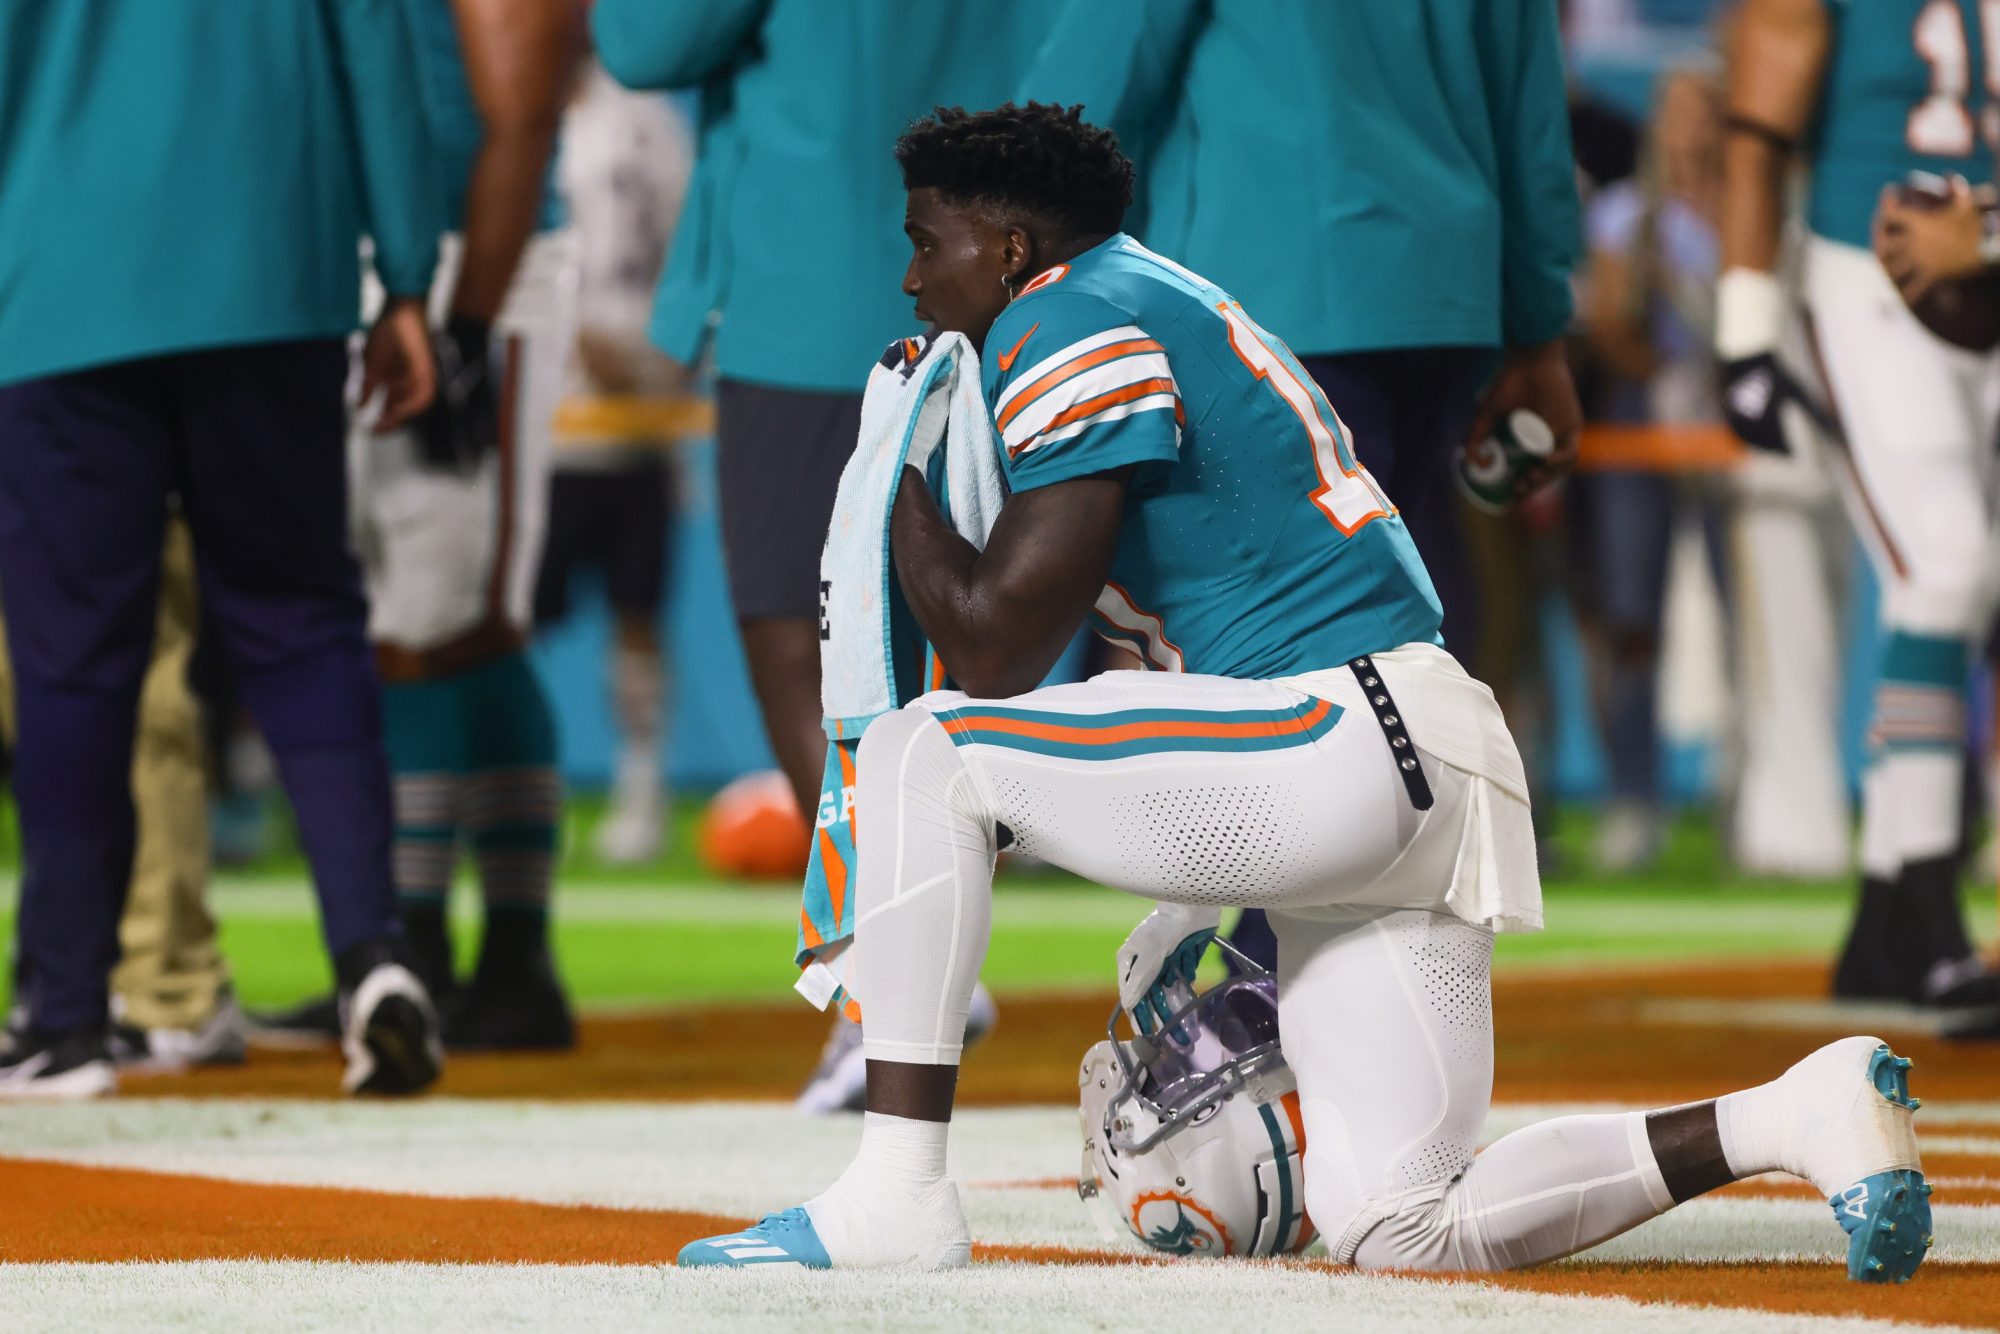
921, 390
923, 401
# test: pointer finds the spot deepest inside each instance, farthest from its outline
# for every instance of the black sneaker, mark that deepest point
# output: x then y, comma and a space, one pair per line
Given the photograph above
1879, 961
389, 1028
517, 1007
309, 1024
55, 1067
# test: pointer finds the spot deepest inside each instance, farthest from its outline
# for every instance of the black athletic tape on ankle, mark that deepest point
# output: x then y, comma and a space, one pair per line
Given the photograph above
1401, 749
1687, 1145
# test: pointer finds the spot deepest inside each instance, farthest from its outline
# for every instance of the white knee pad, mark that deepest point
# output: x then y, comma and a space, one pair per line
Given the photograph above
923, 896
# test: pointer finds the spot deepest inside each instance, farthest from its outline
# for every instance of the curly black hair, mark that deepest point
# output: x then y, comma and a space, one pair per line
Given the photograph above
1042, 159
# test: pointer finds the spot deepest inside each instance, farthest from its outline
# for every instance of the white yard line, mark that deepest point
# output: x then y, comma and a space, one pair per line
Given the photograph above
1000, 1299
743, 1159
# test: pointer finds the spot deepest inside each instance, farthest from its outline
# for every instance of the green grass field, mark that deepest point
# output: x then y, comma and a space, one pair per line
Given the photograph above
673, 933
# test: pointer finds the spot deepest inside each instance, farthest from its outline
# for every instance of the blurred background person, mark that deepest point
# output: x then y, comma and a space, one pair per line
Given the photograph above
1872, 93
449, 516
180, 277
1414, 243
171, 1002
623, 172
1647, 308
787, 269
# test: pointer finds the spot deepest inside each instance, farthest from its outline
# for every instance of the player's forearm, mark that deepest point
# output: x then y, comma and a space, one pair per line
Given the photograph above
1753, 203
503, 204
992, 642
1776, 59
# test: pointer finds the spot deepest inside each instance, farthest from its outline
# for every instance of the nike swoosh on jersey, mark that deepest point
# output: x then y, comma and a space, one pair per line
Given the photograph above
1007, 357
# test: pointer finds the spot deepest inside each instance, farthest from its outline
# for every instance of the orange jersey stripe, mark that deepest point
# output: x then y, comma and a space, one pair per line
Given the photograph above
1137, 731
1109, 352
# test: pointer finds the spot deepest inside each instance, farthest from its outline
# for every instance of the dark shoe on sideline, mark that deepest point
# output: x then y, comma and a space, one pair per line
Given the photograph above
55, 1067
389, 1028
313, 1023
520, 1006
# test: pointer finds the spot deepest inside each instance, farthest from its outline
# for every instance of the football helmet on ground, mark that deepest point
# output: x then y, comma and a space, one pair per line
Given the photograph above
1193, 1140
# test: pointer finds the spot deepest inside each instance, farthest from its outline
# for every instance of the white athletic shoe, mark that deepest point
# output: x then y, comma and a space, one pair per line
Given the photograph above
1850, 1134
840, 1082
1629, 835
851, 1226
634, 829
63, 1067
223, 1039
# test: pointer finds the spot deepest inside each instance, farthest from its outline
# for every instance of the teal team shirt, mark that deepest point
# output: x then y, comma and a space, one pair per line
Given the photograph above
181, 174
1906, 89
456, 127
788, 260
1253, 544
1364, 173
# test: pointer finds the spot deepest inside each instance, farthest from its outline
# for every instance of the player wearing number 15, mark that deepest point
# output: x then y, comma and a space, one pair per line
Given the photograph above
1877, 89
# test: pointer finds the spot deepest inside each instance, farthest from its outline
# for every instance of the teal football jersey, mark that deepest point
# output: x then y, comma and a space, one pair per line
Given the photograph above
1907, 88
456, 127
1253, 544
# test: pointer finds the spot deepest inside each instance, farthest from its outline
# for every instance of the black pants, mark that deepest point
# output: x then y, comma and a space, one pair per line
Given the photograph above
252, 440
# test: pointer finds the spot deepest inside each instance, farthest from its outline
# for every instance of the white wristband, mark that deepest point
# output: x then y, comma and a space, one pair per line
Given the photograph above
1750, 311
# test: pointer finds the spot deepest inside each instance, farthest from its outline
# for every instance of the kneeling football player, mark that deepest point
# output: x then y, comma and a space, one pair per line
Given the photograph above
1303, 744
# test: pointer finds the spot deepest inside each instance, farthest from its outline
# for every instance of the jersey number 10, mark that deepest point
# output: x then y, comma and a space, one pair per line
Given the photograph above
1347, 493
1940, 125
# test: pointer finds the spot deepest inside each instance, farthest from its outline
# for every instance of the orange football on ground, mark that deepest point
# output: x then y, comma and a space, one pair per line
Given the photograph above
753, 828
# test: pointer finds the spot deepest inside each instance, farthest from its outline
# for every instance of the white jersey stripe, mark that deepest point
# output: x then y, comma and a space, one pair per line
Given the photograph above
1081, 388
1117, 412
1071, 353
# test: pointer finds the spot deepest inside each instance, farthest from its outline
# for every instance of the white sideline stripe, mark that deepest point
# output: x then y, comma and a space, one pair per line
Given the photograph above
1796, 1015
986, 1299
744, 1159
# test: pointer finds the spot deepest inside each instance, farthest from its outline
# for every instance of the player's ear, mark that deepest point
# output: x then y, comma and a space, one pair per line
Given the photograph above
1017, 253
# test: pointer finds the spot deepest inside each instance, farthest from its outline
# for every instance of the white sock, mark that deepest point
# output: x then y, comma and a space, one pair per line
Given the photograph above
894, 1206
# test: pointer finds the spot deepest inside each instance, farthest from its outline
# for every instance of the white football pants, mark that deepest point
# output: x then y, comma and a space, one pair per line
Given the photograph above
1384, 996
1919, 482
445, 551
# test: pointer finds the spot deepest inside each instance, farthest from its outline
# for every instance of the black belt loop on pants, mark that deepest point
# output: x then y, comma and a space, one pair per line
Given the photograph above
1401, 748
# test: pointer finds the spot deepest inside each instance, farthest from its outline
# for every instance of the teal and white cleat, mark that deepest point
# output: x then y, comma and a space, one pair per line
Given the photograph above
1887, 1215
779, 1241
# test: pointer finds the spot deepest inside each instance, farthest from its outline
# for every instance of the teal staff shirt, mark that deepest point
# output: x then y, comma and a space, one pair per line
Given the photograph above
1363, 173
181, 174
790, 251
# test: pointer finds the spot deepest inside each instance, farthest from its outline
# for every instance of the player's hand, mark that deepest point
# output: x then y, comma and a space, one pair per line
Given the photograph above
1761, 399
1157, 962
1926, 240
1755, 393
396, 361
463, 421
1536, 378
